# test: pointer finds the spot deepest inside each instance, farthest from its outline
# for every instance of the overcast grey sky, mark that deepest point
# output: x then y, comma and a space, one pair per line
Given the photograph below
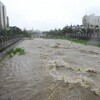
49, 14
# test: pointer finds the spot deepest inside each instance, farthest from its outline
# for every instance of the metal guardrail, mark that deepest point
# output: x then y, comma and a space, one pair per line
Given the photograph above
85, 36
7, 41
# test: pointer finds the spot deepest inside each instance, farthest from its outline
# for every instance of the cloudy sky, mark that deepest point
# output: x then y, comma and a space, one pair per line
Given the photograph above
49, 14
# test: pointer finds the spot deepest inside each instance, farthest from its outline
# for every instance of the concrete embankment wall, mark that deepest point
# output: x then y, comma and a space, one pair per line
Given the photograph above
8, 47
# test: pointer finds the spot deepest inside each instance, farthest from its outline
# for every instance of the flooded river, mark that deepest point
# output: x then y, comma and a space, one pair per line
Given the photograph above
51, 70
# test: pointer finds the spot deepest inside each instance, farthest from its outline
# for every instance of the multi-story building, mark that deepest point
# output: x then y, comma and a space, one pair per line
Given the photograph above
7, 22
91, 22
4, 20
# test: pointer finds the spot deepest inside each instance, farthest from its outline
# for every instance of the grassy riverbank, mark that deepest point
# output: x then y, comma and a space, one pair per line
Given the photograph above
82, 41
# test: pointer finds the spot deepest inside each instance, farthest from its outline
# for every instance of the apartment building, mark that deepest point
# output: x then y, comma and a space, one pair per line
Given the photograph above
91, 21
4, 20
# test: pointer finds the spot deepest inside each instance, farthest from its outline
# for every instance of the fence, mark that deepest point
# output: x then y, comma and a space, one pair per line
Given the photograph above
95, 36
8, 40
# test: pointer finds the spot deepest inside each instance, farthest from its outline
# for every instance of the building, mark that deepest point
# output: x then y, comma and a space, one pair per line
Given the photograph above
4, 20
7, 22
76, 27
91, 22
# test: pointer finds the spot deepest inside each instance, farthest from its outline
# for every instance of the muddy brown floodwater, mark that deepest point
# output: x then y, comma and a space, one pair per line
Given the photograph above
51, 70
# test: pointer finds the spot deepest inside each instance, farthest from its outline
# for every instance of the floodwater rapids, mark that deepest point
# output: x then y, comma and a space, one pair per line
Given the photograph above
51, 69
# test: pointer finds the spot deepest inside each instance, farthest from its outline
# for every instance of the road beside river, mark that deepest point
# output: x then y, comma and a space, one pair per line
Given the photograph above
51, 70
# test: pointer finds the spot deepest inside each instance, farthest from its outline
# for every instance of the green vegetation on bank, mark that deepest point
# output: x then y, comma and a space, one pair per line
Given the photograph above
62, 34
85, 42
65, 31
12, 52
14, 31
81, 41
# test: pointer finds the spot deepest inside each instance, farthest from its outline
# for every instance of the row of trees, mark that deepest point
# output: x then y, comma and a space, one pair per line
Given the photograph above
67, 29
14, 31
58, 32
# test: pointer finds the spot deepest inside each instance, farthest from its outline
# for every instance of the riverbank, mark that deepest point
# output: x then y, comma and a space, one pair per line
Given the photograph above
51, 69
77, 40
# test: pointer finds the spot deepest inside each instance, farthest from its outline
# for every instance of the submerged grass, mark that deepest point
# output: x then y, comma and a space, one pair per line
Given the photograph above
81, 41
12, 52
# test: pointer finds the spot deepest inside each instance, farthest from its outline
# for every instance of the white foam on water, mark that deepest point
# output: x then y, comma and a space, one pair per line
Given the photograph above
82, 79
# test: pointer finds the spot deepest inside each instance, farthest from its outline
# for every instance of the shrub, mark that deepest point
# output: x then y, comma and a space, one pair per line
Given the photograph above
12, 52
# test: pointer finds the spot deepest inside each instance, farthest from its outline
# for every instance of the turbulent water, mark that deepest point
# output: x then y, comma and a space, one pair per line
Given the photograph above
46, 61
75, 63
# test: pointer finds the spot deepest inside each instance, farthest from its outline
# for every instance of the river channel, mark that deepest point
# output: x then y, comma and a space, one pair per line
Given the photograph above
51, 70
